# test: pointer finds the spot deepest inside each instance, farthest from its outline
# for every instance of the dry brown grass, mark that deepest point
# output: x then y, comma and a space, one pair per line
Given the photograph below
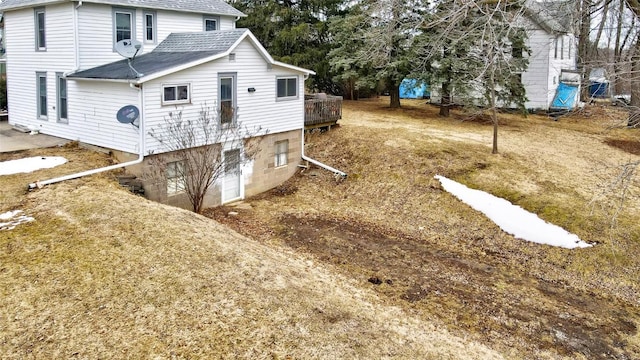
390, 219
102, 273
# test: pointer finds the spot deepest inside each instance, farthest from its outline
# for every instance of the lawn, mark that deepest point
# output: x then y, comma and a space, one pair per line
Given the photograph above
382, 264
392, 228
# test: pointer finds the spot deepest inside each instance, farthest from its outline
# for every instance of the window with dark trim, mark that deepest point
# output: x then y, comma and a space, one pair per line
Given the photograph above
287, 88
149, 27
41, 37
176, 94
61, 97
211, 23
41, 89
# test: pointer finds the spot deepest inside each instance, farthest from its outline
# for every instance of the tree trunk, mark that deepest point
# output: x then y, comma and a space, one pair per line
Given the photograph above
445, 99
494, 113
583, 46
394, 94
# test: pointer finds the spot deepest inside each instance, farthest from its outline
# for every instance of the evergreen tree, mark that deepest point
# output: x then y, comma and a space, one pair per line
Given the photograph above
295, 32
380, 50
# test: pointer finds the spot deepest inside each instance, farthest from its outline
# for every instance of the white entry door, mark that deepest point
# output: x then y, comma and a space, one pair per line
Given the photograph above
231, 183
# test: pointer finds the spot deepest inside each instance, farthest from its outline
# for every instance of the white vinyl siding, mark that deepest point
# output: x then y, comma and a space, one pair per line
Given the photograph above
253, 109
41, 95
40, 28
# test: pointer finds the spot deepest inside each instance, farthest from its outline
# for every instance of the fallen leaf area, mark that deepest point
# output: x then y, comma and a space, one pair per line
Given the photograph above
382, 264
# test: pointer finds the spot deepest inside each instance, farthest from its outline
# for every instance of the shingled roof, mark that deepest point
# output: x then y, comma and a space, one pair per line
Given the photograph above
215, 7
553, 16
176, 50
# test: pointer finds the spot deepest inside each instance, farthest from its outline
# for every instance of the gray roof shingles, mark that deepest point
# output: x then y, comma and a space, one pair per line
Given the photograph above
555, 16
217, 7
177, 49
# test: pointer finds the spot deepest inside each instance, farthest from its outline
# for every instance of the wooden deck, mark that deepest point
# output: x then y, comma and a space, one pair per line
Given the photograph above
321, 111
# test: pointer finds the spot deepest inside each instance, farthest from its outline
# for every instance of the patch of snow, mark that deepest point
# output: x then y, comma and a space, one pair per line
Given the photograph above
28, 165
512, 218
11, 219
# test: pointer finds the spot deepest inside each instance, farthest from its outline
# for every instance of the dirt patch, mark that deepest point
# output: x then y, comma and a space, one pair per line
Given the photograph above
630, 146
473, 294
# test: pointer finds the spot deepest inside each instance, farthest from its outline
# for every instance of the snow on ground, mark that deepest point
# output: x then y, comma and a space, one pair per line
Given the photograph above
512, 218
11, 219
28, 165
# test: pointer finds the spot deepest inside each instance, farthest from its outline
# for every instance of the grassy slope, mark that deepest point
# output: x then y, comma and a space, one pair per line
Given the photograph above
103, 273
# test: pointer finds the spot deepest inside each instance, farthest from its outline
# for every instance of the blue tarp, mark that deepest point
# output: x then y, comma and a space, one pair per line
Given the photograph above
566, 97
599, 89
413, 89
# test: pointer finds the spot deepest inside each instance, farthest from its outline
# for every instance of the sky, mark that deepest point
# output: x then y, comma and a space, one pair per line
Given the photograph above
511, 218
31, 164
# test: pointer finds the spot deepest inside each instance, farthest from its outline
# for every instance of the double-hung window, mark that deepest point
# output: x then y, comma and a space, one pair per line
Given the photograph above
61, 96
123, 24
227, 91
176, 94
211, 23
41, 89
41, 38
176, 177
149, 27
282, 150
287, 88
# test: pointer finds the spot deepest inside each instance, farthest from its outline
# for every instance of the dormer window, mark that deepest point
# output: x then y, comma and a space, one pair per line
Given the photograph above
211, 23
41, 44
123, 24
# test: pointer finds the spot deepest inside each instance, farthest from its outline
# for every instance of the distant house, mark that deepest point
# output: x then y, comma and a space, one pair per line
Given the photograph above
66, 79
553, 48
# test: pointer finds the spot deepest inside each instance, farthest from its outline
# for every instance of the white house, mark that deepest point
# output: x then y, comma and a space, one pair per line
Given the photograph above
553, 48
65, 78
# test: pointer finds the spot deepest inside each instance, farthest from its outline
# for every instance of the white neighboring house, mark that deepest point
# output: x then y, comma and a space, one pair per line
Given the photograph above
553, 48
65, 78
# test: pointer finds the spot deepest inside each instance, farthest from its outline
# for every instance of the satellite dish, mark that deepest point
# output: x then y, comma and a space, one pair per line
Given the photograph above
128, 114
129, 48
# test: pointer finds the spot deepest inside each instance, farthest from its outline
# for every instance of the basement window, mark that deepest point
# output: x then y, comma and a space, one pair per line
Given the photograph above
175, 178
282, 151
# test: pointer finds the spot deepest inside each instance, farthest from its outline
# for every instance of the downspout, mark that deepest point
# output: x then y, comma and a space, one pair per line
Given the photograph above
316, 162
75, 40
141, 150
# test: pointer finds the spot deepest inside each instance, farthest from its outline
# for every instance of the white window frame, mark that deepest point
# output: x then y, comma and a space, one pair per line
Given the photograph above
176, 93
41, 108
132, 16
234, 98
176, 178
36, 14
145, 23
62, 100
286, 81
207, 18
281, 153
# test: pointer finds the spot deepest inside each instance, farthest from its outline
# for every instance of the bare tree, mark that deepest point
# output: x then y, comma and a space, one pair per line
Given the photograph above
196, 146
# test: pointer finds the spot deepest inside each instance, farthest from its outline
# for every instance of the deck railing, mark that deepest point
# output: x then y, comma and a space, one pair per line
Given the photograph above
322, 110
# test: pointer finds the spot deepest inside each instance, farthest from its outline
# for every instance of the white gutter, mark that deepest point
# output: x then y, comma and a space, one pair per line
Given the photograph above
141, 148
316, 162
76, 43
